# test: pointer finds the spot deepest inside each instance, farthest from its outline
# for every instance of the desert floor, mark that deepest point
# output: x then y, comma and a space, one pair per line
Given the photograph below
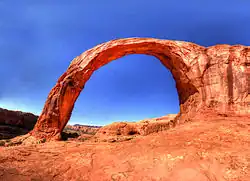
214, 150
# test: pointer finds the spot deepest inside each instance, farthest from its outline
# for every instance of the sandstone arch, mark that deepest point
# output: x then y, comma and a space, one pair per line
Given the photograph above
211, 78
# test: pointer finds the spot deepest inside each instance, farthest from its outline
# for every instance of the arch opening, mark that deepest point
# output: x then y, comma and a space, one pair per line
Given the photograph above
132, 88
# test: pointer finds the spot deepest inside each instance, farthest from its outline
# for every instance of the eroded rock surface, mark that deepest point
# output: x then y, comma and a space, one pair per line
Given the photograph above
122, 131
79, 132
82, 128
14, 123
214, 150
214, 79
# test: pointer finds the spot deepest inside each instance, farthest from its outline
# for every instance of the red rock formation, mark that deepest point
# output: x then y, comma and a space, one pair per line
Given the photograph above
119, 130
83, 128
14, 123
213, 78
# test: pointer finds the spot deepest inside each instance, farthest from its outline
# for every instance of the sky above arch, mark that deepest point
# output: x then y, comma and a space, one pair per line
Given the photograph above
38, 39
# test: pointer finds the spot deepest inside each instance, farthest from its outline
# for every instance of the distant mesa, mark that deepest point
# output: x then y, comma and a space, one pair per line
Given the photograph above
82, 125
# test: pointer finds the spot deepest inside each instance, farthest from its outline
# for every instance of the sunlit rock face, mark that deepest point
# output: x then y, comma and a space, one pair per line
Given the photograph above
213, 79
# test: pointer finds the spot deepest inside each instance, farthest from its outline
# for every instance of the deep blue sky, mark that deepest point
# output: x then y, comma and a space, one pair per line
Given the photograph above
38, 39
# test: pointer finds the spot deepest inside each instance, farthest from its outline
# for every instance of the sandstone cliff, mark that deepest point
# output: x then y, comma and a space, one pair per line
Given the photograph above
14, 123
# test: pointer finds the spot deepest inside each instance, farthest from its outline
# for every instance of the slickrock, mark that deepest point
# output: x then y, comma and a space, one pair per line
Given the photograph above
214, 150
213, 79
145, 127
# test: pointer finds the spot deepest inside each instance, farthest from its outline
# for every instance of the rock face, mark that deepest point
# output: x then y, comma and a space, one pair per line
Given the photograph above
14, 123
122, 131
79, 132
143, 127
207, 79
83, 128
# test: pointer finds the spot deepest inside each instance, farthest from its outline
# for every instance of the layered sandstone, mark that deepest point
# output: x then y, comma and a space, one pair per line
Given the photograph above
122, 131
214, 79
79, 132
143, 127
83, 128
14, 123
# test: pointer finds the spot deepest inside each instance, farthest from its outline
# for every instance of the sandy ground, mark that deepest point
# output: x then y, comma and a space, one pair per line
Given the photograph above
214, 150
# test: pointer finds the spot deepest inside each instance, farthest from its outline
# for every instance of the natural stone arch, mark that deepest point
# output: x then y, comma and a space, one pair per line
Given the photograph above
189, 64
